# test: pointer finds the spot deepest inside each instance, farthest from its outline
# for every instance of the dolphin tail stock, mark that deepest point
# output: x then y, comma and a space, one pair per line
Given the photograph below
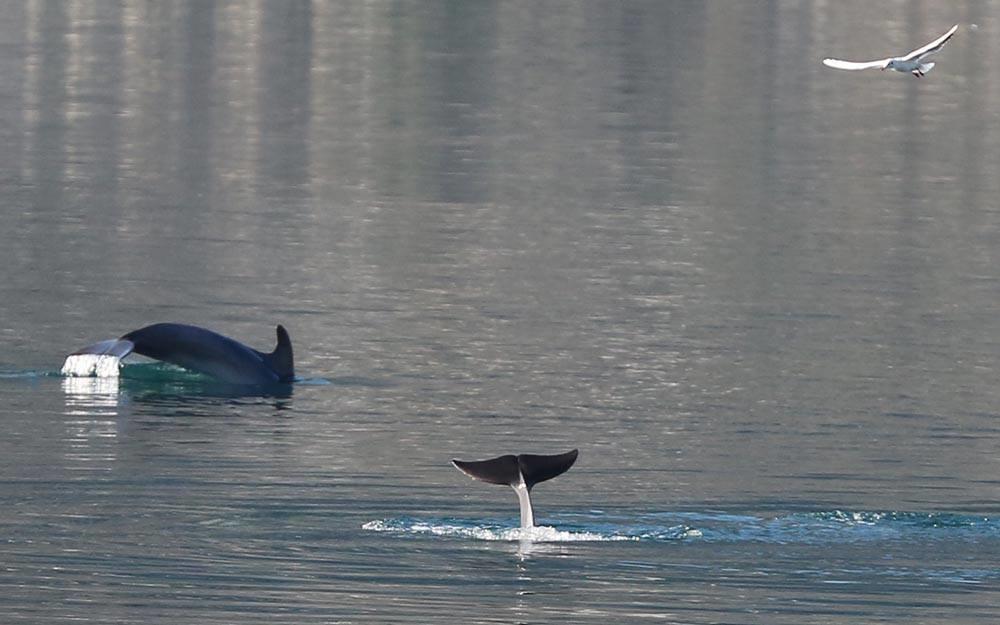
118, 348
521, 473
281, 360
100, 359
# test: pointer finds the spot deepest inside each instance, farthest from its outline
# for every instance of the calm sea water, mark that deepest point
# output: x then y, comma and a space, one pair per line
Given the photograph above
760, 296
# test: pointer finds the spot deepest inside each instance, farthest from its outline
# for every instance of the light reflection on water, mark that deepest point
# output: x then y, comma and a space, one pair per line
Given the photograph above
91, 395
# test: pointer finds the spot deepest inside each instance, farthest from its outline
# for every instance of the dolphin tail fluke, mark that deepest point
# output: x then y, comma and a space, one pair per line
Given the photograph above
520, 473
100, 359
537, 468
501, 470
511, 470
281, 360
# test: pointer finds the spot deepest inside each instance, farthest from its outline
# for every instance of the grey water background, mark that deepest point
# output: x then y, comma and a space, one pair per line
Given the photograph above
761, 297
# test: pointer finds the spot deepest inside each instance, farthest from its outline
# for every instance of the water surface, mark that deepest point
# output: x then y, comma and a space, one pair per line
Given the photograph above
760, 296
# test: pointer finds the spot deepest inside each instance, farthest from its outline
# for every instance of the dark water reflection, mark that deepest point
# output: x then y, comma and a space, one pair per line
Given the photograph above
759, 295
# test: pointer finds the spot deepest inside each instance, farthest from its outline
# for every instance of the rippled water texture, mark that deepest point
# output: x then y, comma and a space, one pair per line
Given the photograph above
759, 295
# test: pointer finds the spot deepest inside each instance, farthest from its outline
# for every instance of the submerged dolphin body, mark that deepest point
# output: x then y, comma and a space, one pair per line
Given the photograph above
520, 473
203, 351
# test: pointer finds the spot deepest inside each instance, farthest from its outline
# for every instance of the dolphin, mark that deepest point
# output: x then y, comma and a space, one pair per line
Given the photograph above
203, 351
520, 472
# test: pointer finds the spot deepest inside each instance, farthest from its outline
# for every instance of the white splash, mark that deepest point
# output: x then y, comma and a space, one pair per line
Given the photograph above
91, 365
540, 533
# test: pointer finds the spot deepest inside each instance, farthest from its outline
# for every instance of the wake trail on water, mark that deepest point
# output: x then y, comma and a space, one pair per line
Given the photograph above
816, 528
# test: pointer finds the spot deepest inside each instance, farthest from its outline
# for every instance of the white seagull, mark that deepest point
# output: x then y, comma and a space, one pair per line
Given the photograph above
912, 62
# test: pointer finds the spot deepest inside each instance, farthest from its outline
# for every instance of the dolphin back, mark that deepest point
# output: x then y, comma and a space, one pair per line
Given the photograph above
211, 353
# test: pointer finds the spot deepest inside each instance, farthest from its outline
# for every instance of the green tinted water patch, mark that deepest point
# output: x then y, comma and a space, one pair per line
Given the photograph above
161, 372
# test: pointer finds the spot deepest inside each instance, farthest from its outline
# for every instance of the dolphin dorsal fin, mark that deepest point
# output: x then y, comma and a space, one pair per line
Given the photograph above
281, 360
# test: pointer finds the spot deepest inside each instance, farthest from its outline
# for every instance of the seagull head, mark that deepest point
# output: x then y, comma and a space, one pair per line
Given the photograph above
890, 64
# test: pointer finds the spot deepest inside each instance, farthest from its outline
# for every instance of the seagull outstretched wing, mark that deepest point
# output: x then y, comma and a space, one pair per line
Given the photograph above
853, 65
932, 47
